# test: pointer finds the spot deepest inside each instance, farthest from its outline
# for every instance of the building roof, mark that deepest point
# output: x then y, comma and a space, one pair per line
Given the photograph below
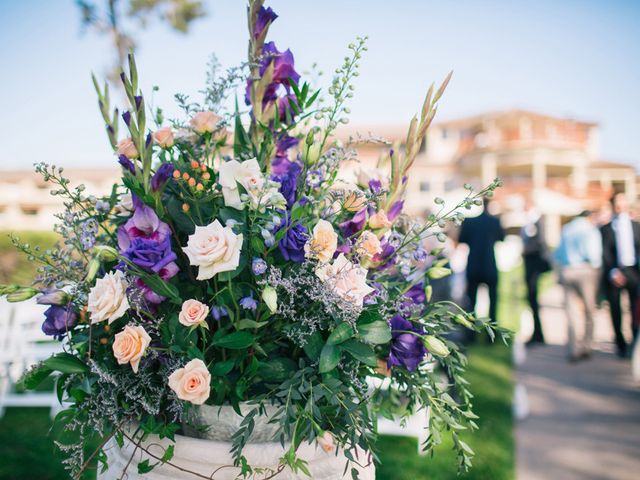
505, 114
604, 164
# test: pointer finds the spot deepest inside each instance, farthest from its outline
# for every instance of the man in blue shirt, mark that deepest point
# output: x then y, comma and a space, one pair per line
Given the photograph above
579, 257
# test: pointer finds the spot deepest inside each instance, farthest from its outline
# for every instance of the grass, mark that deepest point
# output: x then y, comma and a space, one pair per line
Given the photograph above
15, 267
26, 452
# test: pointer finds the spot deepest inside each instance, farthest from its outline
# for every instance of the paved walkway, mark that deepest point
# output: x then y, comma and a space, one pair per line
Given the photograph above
584, 418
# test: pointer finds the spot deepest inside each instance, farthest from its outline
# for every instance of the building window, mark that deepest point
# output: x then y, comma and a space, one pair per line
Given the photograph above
424, 186
29, 210
444, 133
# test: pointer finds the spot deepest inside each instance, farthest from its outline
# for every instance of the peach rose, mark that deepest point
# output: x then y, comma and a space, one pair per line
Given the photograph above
368, 244
346, 279
108, 298
127, 148
164, 137
193, 312
213, 249
129, 346
203, 122
323, 243
192, 382
379, 220
326, 442
354, 199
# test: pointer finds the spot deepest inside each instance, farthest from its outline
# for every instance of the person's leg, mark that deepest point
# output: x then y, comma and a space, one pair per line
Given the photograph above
613, 297
570, 297
633, 286
589, 291
492, 285
531, 279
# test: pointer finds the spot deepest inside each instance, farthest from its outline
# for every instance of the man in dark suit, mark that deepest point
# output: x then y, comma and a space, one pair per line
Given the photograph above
620, 254
481, 234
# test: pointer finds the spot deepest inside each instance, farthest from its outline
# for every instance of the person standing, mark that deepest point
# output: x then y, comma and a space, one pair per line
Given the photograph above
579, 257
620, 253
481, 233
536, 262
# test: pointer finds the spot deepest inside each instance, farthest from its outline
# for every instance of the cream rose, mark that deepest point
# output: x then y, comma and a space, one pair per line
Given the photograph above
346, 279
368, 244
127, 148
164, 137
247, 174
193, 312
129, 346
108, 298
192, 382
379, 220
323, 243
326, 442
203, 122
213, 249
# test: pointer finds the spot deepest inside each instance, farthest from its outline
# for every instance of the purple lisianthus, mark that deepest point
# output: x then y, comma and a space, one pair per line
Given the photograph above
143, 223
59, 319
53, 296
281, 163
355, 224
151, 255
407, 349
249, 303
292, 243
416, 294
289, 183
161, 177
258, 266
266, 16
387, 256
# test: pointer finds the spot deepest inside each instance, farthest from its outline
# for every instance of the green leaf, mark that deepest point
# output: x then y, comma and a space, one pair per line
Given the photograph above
220, 369
342, 333
329, 358
277, 370
246, 323
145, 467
377, 332
361, 352
313, 347
159, 286
235, 340
35, 377
168, 454
66, 363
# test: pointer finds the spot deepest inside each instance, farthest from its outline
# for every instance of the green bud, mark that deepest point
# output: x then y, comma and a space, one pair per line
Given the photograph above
22, 294
464, 321
435, 346
428, 291
105, 253
270, 297
310, 138
7, 289
438, 272
92, 270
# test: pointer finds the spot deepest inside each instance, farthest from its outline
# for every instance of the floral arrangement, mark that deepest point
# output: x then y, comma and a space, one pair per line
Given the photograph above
232, 265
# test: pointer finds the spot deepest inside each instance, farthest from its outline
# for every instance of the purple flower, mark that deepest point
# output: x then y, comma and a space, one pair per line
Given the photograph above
52, 296
218, 312
355, 225
291, 245
143, 223
126, 116
58, 320
162, 175
387, 256
407, 349
266, 16
289, 183
258, 266
314, 178
395, 210
152, 256
375, 185
284, 106
127, 164
248, 303
416, 294
103, 206
283, 64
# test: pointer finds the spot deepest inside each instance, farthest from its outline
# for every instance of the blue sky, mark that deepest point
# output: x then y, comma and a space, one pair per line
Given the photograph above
577, 58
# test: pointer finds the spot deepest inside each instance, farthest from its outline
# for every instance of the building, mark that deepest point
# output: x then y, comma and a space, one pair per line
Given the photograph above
550, 161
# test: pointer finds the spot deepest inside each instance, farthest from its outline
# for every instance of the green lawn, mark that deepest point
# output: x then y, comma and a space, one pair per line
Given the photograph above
15, 267
27, 453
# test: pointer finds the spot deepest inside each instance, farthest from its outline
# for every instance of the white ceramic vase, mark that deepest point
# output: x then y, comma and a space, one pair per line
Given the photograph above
211, 453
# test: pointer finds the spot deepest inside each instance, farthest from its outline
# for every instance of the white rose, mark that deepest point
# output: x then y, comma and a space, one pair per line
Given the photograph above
346, 279
108, 298
125, 205
323, 243
213, 249
247, 174
192, 382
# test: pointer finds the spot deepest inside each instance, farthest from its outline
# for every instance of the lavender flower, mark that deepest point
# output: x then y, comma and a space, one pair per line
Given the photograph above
258, 266
59, 319
407, 349
416, 294
152, 256
314, 178
218, 312
289, 183
249, 303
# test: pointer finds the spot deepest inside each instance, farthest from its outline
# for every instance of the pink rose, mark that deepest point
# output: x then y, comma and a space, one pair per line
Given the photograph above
129, 346
164, 137
193, 313
127, 148
379, 220
203, 122
192, 382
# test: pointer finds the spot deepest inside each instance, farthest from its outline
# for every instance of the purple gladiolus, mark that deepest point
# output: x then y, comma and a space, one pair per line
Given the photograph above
162, 176
266, 16
375, 185
283, 67
407, 349
395, 210
127, 164
59, 319
126, 116
138, 100
291, 246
